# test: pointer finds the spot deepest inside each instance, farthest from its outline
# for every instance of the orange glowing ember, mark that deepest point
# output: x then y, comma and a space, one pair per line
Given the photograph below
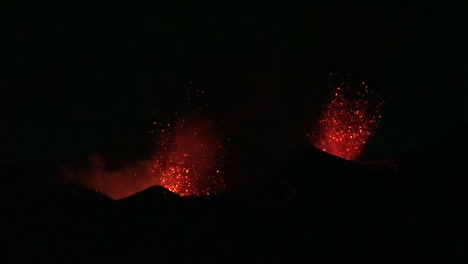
347, 122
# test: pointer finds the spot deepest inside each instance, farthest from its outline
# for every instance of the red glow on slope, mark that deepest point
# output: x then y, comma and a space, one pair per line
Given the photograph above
116, 184
347, 122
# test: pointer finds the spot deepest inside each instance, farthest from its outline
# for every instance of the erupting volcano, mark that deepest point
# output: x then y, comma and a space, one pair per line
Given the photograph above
188, 160
347, 122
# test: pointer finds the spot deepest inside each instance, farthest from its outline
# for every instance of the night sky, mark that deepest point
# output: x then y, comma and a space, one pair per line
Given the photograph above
82, 79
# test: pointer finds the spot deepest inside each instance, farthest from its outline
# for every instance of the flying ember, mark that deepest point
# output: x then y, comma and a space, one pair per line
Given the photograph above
347, 122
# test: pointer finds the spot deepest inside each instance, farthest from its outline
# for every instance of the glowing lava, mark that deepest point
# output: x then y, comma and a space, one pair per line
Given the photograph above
347, 122
188, 160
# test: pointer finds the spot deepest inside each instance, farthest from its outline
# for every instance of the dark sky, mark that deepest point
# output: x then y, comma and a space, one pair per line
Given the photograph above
78, 79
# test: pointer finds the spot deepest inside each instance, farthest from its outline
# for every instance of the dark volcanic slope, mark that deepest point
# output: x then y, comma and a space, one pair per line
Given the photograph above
321, 208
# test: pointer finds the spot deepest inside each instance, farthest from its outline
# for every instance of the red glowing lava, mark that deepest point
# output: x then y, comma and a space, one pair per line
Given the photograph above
188, 163
188, 160
347, 122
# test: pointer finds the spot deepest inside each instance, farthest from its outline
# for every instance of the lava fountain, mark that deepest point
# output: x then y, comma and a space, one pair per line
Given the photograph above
188, 160
347, 122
